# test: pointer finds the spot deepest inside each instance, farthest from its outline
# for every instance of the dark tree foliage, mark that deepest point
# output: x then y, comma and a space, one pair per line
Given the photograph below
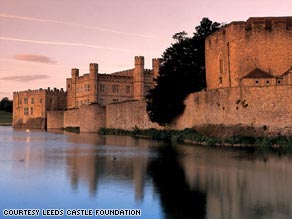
6, 105
182, 72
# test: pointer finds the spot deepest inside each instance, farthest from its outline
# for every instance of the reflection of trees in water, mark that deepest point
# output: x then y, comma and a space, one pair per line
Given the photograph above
177, 199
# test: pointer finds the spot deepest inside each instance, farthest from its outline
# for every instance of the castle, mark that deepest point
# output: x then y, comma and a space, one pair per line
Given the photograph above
30, 107
132, 84
257, 52
248, 74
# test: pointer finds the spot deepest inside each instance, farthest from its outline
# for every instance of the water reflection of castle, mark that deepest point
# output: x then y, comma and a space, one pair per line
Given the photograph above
192, 182
95, 164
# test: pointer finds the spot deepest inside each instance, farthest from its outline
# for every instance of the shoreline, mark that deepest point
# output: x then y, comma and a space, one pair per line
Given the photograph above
192, 137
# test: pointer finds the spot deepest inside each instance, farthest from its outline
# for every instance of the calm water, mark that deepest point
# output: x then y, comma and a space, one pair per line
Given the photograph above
45, 170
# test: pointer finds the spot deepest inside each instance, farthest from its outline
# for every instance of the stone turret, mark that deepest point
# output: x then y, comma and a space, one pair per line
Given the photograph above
93, 70
139, 78
155, 66
74, 73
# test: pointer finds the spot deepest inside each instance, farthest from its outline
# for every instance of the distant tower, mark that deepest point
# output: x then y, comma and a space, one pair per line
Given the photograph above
155, 66
93, 71
139, 78
71, 88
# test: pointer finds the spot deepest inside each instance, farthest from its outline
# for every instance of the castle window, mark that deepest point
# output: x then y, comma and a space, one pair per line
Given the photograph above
221, 65
25, 100
31, 111
32, 100
279, 82
101, 87
41, 100
257, 82
68, 85
25, 111
115, 100
86, 87
128, 88
101, 101
267, 82
221, 68
115, 88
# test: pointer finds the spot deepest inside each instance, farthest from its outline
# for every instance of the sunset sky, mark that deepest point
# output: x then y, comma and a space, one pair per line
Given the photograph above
41, 40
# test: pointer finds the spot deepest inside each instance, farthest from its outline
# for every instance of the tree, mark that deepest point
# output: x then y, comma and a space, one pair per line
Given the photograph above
6, 105
182, 72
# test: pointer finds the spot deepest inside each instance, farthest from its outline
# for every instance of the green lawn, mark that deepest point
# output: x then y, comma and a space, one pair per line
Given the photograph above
5, 118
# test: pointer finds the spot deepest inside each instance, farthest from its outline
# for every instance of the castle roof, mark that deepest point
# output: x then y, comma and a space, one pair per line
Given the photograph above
258, 73
288, 72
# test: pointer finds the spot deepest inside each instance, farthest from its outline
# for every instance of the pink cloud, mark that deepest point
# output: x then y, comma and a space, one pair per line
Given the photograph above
25, 78
34, 58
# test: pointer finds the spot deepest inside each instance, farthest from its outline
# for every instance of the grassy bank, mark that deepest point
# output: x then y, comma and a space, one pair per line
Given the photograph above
72, 129
190, 136
5, 118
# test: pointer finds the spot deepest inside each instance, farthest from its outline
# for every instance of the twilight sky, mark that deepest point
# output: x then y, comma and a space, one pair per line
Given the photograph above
41, 40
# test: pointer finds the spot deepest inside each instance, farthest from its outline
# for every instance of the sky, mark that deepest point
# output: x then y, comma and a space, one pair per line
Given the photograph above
41, 40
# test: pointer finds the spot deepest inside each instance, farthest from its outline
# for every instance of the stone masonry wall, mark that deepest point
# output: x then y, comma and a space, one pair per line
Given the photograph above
55, 119
264, 43
127, 115
72, 118
268, 107
92, 118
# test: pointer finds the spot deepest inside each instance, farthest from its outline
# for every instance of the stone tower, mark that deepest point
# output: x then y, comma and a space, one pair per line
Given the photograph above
138, 78
155, 66
93, 71
71, 88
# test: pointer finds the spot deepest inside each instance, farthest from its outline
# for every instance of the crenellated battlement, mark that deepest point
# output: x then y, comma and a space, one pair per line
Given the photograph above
39, 91
114, 78
148, 71
128, 72
254, 27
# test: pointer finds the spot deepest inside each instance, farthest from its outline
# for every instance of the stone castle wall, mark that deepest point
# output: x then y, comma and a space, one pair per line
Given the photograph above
88, 118
267, 107
55, 119
128, 115
240, 47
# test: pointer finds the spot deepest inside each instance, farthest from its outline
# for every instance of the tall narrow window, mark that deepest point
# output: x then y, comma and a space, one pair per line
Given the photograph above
31, 111
25, 100
115, 89
128, 88
86, 87
25, 111
32, 100
101, 87
221, 68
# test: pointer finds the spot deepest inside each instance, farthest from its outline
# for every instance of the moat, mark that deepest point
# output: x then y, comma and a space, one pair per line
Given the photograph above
46, 170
